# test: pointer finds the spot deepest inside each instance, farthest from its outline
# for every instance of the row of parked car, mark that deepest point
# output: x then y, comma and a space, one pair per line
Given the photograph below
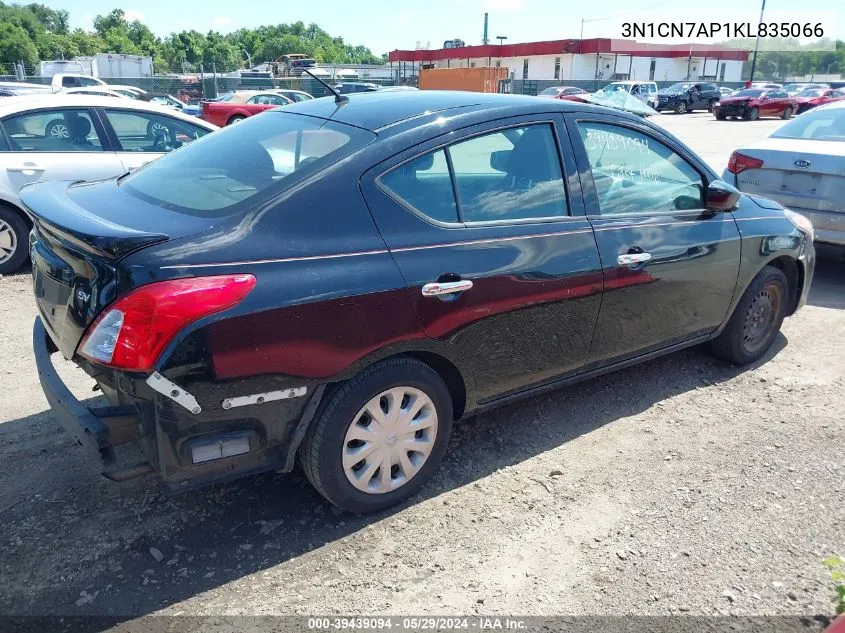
758, 100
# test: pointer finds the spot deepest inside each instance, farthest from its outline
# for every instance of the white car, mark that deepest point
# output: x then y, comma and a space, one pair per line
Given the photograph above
63, 81
129, 91
645, 91
802, 166
76, 137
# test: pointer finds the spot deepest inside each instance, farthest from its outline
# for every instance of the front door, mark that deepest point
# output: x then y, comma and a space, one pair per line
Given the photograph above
54, 144
670, 267
497, 263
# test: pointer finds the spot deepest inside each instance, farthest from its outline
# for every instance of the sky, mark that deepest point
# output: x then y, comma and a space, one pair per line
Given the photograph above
402, 24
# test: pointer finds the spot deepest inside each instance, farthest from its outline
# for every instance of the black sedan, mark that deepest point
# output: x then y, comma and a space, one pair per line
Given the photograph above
337, 282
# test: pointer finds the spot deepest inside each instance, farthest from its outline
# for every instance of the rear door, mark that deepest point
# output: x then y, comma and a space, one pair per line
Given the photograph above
54, 144
140, 136
487, 228
670, 267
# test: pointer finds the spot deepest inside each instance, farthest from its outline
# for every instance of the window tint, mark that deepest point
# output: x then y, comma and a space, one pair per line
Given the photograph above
87, 81
511, 174
243, 164
149, 132
424, 184
268, 100
634, 173
65, 130
70, 82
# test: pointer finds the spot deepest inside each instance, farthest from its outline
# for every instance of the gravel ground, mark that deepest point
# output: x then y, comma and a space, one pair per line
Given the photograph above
680, 486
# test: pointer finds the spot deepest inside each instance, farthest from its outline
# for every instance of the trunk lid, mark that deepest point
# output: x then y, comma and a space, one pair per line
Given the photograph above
798, 173
81, 232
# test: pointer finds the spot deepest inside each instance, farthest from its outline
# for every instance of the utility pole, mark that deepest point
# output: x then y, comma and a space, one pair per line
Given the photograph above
756, 45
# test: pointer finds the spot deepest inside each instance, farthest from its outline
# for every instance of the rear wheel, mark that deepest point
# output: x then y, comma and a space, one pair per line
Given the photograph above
235, 119
379, 437
752, 114
681, 107
757, 319
787, 114
13, 232
710, 106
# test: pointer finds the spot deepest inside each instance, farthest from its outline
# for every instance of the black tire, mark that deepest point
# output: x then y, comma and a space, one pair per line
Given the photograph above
720, 116
18, 230
710, 106
322, 448
787, 114
752, 114
235, 119
681, 107
736, 344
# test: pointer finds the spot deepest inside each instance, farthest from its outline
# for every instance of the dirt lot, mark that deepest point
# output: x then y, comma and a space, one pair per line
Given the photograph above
678, 486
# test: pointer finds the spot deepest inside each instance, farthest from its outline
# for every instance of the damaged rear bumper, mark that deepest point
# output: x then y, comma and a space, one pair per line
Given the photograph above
98, 429
235, 432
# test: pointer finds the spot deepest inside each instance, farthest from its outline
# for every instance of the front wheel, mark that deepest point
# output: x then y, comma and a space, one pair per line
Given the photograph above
787, 114
752, 114
756, 320
721, 116
235, 119
380, 436
681, 107
710, 105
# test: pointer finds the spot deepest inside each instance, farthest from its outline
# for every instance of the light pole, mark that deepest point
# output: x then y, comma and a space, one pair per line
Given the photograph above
775, 65
827, 72
756, 44
248, 57
501, 39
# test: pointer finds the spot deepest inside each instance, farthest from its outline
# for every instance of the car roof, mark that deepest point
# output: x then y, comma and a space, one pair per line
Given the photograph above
25, 103
376, 110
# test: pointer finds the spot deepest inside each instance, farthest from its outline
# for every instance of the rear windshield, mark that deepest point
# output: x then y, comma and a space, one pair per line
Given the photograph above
750, 92
550, 91
820, 125
244, 164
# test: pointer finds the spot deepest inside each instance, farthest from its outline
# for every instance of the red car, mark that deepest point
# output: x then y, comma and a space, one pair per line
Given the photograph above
753, 103
222, 113
813, 97
569, 93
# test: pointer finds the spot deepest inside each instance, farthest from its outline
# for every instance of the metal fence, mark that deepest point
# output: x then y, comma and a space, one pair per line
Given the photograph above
534, 87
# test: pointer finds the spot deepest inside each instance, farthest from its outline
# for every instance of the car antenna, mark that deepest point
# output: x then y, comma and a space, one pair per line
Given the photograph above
338, 98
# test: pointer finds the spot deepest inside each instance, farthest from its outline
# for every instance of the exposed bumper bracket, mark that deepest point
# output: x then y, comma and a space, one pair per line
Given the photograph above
171, 390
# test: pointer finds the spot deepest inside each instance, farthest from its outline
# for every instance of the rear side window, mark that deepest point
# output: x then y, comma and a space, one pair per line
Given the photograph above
425, 184
508, 175
242, 165
67, 130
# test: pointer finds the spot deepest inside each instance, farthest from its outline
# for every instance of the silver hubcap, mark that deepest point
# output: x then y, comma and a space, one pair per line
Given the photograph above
59, 131
389, 440
158, 128
8, 242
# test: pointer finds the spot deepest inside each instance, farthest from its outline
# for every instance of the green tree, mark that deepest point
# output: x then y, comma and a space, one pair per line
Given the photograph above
16, 45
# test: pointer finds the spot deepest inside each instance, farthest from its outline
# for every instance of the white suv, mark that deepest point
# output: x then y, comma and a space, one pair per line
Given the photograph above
645, 91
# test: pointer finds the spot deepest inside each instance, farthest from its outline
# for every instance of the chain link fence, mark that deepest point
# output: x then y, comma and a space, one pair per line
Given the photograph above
534, 87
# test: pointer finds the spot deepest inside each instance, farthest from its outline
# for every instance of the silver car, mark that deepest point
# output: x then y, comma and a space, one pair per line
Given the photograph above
76, 137
802, 166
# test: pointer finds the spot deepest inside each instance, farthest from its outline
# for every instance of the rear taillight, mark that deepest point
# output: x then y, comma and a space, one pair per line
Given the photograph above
132, 332
740, 162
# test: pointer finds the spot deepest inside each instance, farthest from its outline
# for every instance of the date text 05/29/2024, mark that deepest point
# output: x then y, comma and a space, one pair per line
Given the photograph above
423, 623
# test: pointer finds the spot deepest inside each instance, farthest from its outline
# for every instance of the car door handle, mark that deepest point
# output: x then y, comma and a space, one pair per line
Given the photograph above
438, 288
26, 167
632, 259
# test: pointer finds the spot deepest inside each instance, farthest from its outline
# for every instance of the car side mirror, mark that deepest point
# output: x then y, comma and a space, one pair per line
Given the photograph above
721, 197
499, 159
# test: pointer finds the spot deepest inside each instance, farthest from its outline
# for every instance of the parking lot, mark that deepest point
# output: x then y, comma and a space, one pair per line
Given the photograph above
680, 486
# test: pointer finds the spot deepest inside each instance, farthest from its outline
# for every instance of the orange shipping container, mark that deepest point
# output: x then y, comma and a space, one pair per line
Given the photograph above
482, 79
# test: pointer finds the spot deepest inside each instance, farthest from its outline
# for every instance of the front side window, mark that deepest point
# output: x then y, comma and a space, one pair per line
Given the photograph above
243, 164
150, 132
268, 100
87, 81
71, 82
634, 173
66, 130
